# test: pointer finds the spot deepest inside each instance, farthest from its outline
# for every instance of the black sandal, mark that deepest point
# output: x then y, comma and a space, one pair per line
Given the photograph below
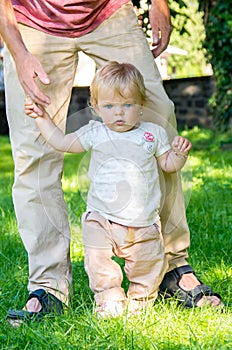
50, 305
170, 288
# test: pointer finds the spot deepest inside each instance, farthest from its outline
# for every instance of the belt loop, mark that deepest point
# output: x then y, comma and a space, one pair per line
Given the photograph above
130, 237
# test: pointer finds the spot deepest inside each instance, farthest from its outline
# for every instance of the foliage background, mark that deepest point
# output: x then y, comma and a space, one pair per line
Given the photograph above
218, 24
204, 29
188, 34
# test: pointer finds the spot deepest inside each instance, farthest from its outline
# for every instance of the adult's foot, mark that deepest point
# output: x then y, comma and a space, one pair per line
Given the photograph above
39, 304
183, 284
33, 305
189, 281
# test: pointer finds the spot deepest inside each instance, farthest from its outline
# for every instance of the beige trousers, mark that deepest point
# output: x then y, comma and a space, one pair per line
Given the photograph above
142, 250
37, 193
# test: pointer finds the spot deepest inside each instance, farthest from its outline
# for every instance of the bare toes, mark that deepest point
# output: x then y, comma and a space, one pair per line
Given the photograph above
209, 301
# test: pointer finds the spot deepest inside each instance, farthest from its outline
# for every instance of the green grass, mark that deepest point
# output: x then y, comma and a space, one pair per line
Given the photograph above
207, 183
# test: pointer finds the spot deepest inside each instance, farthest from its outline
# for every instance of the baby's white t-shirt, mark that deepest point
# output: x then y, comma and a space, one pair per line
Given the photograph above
123, 172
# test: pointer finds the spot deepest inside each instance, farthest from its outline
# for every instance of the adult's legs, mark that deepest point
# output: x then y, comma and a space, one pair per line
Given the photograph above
37, 194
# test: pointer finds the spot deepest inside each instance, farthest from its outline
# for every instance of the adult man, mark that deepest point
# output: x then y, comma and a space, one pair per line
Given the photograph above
43, 38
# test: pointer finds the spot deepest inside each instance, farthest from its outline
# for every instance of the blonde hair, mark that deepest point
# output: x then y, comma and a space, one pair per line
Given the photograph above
123, 78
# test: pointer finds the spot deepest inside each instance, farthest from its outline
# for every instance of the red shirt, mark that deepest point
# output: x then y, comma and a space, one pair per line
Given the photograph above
65, 18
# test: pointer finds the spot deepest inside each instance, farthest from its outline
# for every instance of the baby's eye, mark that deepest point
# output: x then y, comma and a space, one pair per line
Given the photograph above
128, 105
108, 106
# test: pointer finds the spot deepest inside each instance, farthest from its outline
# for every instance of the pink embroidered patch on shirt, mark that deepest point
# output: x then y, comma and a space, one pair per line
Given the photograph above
148, 136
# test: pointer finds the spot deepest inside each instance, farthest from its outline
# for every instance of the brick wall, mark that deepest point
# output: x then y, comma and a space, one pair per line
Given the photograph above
190, 96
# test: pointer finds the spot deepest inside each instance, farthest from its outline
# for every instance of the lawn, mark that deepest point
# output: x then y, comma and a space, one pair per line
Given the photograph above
207, 186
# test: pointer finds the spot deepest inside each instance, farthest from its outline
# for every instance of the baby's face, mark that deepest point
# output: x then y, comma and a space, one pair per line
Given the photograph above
117, 112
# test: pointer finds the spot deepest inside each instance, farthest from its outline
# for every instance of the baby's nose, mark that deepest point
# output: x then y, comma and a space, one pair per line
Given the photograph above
119, 109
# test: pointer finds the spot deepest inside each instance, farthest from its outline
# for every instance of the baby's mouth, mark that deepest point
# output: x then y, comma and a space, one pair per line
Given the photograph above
120, 122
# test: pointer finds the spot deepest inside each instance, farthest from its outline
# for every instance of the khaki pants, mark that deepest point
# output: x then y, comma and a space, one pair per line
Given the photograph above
37, 192
141, 248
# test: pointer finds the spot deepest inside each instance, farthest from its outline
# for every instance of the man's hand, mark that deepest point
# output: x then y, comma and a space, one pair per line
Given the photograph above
160, 21
29, 68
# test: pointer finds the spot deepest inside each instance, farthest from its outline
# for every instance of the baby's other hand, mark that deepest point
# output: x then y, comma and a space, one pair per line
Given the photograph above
181, 145
31, 109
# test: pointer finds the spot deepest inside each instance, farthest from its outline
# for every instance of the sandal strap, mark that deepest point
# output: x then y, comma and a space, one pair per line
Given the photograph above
195, 294
48, 301
38, 294
182, 270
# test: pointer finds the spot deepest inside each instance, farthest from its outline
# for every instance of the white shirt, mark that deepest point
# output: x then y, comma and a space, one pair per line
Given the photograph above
123, 173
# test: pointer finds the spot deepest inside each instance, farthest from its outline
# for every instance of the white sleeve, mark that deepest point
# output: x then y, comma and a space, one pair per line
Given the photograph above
86, 134
163, 144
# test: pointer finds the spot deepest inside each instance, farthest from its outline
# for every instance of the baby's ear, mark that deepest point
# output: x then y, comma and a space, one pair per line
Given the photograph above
95, 109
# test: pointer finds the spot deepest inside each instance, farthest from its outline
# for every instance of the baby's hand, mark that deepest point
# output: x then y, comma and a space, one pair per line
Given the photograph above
31, 109
181, 145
